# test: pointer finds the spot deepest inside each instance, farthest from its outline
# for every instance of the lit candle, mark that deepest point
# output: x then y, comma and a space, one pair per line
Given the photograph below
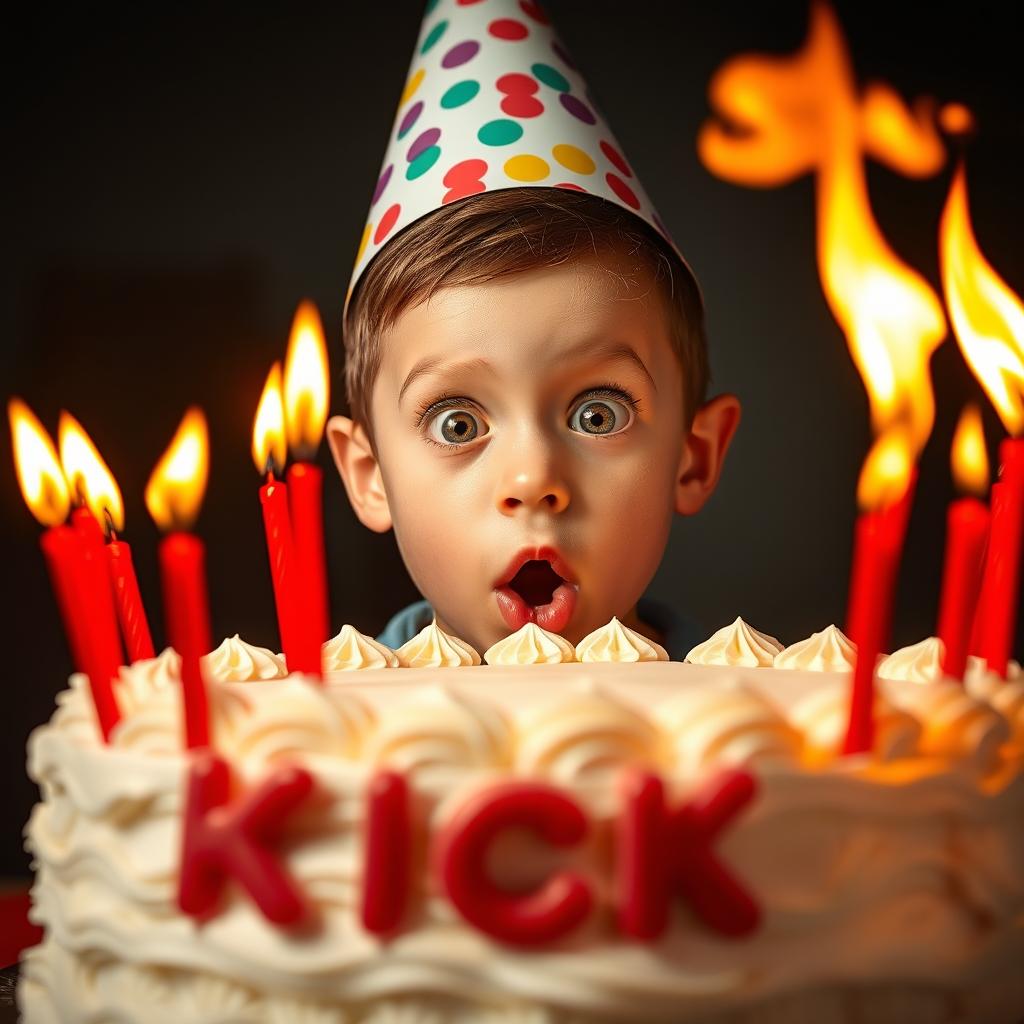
988, 320
268, 452
89, 622
967, 525
90, 478
173, 496
885, 493
306, 385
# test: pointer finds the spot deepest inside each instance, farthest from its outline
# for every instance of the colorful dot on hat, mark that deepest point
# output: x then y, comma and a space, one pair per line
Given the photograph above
423, 141
411, 86
467, 3
460, 53
569, 185
364, 240
460, 93
422, 163
527, 167
387, 222
563, 55
410, 118
616, 158
577, 108
463, 179
500, 132
532, 10
382, 183
573, 158
622, 190
432, 37
519, 100
549, 76
508, 29
431, 4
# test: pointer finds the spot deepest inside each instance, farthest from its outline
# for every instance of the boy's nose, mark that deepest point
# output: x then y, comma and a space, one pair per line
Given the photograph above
533, 487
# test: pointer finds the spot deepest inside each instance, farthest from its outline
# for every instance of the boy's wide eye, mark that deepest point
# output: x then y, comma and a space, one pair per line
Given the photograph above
600, 416
454, 426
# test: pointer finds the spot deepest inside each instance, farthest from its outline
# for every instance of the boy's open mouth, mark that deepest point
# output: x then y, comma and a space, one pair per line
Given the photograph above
537, 593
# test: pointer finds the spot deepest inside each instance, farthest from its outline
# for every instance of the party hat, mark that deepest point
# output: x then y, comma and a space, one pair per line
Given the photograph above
493, 101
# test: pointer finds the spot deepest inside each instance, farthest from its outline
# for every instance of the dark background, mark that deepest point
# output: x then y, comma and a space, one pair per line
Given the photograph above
176, 180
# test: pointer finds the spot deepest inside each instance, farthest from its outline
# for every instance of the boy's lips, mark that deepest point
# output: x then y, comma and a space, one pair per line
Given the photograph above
553, 615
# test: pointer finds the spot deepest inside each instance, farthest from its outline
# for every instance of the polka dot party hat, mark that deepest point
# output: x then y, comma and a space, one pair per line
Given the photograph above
492, 101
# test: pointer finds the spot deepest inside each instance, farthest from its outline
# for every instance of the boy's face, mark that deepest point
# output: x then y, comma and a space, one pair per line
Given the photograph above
537, 418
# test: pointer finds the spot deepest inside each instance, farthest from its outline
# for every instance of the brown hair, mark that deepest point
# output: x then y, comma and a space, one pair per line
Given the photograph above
505, 232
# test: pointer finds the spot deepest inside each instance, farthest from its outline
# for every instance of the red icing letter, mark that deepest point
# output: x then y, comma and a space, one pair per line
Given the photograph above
526, 919
386, 862
662, 851
222, 839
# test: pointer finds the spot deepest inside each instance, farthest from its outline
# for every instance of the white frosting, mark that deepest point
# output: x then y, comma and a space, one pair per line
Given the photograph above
828, 651
530, 645
440, 728
729, 726
1004, 695
235, 661
351, 651
822, 717
616, 642
737, 645
955, 724
910, 870
432, 647
922, 663
585, 736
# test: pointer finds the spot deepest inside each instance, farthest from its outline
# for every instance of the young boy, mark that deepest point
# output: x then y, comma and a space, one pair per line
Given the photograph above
525, 364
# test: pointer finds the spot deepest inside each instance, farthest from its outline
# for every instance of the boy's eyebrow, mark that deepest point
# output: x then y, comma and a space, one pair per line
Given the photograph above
606, 351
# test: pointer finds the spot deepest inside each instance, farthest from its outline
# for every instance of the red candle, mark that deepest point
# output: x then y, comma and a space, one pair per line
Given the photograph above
280, 550
89, 620
1001, 585
967, 524
130, 610
173, 495
305, 404
305, 500
183, 569
878, 543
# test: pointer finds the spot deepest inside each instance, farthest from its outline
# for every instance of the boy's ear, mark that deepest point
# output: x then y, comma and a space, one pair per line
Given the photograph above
360, 472
704, 452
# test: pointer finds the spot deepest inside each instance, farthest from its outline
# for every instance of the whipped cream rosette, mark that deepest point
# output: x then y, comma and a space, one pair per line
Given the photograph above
737, 645
352, 651
616, 642
235, 661
828, 651
432, 647
728, 726
530, 645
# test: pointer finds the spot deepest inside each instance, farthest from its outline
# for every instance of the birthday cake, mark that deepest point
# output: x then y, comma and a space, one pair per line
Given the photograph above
562, 834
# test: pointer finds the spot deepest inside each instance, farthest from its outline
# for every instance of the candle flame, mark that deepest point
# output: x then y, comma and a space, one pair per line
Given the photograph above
306, 382
968, 457
40, 477
178, 482
956, 119
885, 475
988, 318
87, 474
780, 117
268, 441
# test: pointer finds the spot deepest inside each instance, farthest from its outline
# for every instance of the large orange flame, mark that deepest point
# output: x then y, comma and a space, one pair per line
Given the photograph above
268, 441
306, 379
87, 474
967, 455
783, 117
988, 318
178, 482
40, 477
